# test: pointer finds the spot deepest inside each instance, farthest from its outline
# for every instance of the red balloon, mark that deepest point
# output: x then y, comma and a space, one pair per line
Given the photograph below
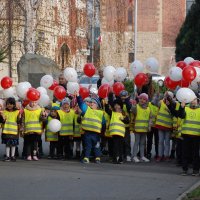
84, 92
60, 92
170, 84
104, 90
117, 88
33, 94
55, 84
141, 79
181, 64
184, 83
25, 103
89, 69
189, 73
195, 63
6, 82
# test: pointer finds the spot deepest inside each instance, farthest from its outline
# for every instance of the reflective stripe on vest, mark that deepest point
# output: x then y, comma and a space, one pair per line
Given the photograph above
32, 121
142, 119
67, 121
10, 126
92, 120
164, 118
51, 136
117, 127
191, 124
154, 112
77, 127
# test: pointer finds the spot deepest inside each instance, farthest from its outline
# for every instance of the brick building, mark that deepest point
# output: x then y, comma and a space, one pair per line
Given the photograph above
159, 22
60, 32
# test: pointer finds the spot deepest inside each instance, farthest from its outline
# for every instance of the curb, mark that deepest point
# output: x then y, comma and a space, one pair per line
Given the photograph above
188, 191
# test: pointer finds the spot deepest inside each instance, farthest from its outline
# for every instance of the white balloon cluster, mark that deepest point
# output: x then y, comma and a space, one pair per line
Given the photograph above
185, 95
151, 64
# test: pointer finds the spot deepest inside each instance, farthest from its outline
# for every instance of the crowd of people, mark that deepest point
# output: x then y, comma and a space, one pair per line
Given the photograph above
93, 126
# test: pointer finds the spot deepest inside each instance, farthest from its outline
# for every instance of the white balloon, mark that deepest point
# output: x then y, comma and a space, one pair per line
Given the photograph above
109, 73
70, 74
10, 92
193, 86
185, 95
42, 90
105, 81
152, 64
72, 87
137, 67
54, 125
46, 81
22, 89
93, 91
188, 60
175, 73
197, 79
44, 100
120, 74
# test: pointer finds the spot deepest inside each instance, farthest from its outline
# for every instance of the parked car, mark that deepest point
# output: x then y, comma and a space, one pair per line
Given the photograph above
86, 81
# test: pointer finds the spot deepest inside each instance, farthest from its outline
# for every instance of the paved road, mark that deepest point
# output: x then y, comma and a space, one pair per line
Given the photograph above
61, 180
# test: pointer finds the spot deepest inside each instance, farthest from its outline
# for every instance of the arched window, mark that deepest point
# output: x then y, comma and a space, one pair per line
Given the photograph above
64, 55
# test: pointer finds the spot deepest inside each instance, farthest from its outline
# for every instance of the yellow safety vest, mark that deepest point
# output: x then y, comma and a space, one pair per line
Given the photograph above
77, 127
51, 136
191, 123
142, 119
67, 121
92, 120
154, 111
164, 118
107, 118
55, 104
32, 121
10, 126
117, 127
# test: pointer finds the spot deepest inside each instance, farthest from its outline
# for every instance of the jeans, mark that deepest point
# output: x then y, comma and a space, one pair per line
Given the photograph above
150, 135
53, 148
127, 143
164, 143
92, 141
31, 144
118, 143
140, 139
64, 145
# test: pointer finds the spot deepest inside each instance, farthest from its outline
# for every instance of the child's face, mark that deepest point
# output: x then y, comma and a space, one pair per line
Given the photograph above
93, 105
117, 108
142, 101
54, 113
65, 106
10, 106
33, 104
47, 111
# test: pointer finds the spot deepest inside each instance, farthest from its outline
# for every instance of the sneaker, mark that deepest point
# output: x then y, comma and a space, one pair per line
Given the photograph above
13, 159
135, 159
98, 160
35, 158
120, 161
158, 159
128, 159
86, 160
29, 158
195, 173
144, 159
7, 159
184, 173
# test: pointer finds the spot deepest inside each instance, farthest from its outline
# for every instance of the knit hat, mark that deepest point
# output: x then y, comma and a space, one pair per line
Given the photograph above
144, 96
87, 99
55, 108
123, 93
96, 100
65, 101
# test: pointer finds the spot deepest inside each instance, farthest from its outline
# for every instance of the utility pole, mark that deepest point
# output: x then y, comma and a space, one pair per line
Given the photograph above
135, 29
10, 16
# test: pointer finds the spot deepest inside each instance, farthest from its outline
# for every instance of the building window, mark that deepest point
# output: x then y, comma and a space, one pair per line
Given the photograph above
131, 57
189, 4
130, 16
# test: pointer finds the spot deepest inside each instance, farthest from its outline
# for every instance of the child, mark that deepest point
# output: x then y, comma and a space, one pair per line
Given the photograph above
164, 124
142, 126
117, 129
191, 136
93, 124
33, 117
66, 116
50, 136
11, 118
